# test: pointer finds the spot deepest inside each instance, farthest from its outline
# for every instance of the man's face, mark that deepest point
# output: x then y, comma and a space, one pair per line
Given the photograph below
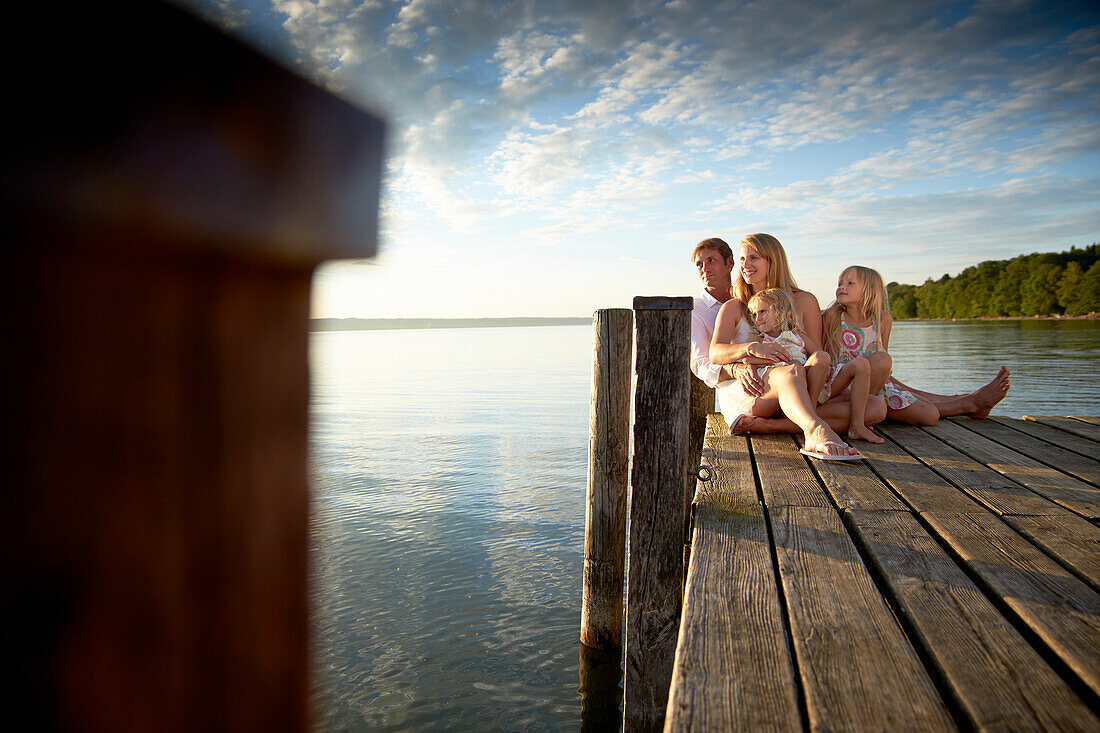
714, 271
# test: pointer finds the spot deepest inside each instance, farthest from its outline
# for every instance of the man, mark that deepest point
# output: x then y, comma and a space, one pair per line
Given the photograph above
715, 262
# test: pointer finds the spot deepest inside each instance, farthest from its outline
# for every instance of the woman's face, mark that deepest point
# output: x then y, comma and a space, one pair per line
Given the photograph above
849, 290
753, 267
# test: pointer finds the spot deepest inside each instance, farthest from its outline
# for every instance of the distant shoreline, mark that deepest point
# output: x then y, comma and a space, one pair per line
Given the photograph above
1089, 317
391, 324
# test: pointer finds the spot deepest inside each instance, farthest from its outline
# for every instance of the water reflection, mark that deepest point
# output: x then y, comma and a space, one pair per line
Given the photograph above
448, 511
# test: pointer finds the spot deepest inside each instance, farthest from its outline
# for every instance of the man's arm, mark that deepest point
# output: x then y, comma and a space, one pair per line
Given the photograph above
701, 365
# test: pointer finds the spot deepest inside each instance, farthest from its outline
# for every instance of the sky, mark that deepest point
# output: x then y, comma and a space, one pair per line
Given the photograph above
553, 157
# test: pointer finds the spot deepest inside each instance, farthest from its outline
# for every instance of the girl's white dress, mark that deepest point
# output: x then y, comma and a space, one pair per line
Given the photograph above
733, 401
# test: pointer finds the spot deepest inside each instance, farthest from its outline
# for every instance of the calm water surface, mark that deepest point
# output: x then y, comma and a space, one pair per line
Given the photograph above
447, 529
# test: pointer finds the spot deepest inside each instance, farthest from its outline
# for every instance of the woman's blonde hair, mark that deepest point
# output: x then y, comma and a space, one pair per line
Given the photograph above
782, 305
779, 273
873, 304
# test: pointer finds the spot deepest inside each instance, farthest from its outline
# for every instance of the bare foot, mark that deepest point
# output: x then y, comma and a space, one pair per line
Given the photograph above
822, 439
985, 398
864, 433
763, 425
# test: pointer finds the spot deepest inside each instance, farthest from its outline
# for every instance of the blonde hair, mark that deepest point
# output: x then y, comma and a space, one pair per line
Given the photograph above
779, 273
782, 305
873, 304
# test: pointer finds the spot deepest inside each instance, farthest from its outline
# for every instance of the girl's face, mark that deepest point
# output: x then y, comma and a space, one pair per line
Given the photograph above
753, 267
766, 319
849, 290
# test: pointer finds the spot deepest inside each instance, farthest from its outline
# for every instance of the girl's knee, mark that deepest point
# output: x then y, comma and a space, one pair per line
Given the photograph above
819, 358
861, 365
880, 360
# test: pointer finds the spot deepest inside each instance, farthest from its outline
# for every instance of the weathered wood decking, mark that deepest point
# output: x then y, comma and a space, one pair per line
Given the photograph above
950, 581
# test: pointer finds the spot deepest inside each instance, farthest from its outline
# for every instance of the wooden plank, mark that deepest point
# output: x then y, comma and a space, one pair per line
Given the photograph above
784, 476
857, 669
855, 486
1069, 539
1075, 495
733, 669
1065, 460
921, 487
1092, 419
1054, 436
991, 673
1077, 427
996, 492
1062, 610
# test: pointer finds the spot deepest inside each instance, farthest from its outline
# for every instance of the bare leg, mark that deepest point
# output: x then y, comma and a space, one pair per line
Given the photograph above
857, 373
818, 368
975, 404
881, 364
788, 385
920, 412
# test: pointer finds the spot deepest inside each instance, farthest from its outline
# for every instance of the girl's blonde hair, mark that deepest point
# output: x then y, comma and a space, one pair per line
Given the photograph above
779, 272
781, 304
873, 304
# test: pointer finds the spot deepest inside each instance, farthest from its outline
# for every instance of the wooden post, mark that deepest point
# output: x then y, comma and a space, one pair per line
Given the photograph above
702, 404
608, 462
164, 220
654, 592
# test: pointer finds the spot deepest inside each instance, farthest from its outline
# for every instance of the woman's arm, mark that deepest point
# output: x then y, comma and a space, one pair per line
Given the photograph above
810, 313
725, 327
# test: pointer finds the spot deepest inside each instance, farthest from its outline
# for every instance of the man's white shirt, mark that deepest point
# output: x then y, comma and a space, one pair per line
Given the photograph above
704, 313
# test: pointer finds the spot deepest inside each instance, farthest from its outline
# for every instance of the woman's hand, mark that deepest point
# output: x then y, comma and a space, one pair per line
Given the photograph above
771, 352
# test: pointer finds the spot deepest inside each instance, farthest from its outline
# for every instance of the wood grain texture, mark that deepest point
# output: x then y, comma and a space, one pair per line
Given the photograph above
1073, 494
608, 475
856, 667
988, 487
1069, 539
921, 487
993, 675
1055, 456
657, 520
733, 669
786, 479
1076, 427
855, 486
1067, 441
1062, 610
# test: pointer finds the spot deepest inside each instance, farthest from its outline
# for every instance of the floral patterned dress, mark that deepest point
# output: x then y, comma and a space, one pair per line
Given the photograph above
856, 342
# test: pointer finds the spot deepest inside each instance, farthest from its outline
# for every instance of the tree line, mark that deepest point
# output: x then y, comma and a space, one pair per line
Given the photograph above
1043, 283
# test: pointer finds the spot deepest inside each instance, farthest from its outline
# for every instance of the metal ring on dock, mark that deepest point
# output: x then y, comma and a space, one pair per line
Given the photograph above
699, 472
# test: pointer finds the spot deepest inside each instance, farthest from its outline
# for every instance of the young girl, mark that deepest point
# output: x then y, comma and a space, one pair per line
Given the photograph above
857, 325
776, 321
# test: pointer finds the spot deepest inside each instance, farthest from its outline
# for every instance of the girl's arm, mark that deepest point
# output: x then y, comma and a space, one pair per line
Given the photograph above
884, 330
810, 312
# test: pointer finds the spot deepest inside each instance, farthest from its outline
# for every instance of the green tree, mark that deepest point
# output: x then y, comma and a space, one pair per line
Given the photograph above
1069, 288
1038, 291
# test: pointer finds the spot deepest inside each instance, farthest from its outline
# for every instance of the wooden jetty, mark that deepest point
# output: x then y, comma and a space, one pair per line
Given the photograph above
947, 582
950, 581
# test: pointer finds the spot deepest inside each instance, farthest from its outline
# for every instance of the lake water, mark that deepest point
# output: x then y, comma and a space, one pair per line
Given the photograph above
448, 479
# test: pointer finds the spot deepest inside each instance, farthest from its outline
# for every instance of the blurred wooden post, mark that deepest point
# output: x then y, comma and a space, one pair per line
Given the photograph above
659, 466
608, 463
167, 198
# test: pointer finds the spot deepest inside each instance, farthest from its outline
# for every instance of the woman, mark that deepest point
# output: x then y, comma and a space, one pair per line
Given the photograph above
762, 264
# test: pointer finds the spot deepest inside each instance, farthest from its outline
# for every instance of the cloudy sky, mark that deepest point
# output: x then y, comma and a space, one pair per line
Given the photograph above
551, 157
